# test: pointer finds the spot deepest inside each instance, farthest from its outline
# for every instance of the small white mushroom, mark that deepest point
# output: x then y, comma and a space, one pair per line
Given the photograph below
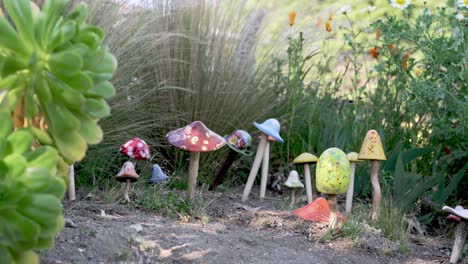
293, 183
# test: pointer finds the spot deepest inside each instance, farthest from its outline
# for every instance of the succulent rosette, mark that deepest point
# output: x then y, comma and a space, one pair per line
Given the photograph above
30, 195
55, 66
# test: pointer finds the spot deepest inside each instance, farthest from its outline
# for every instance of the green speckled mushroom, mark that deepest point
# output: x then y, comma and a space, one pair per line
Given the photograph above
332, 177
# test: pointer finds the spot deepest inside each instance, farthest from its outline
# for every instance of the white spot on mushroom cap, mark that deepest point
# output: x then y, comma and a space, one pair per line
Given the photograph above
140, 145
204, 148
205, 142
194, 140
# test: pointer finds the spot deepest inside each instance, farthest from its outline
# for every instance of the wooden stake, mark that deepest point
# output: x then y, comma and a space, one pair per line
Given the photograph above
193, 173
333, 220
308, 182
265, 163
255, 167
71, 185
349, 194
376, 195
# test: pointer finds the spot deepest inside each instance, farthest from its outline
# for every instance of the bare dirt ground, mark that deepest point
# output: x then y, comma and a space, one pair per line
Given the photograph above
251, 232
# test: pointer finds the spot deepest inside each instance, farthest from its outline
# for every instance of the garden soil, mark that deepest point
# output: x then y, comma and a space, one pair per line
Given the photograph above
233, 232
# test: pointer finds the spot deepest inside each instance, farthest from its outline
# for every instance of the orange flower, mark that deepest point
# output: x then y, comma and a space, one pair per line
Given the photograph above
374, 52
377, 34
330, 17
391, 46
405, 60
292, 18
417, 72
328, 26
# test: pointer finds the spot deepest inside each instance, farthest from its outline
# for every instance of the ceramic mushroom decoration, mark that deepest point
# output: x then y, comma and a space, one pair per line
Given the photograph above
307, 159
157, 175
332, 178
195, 138
353, 159
460, 215
372, 150
135, 149
270, 127
239, 142
317, 211
293, 183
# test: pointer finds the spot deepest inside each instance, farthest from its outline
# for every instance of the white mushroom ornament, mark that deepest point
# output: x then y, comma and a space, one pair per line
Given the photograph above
195, 138
293, 183
135, 149
460, 215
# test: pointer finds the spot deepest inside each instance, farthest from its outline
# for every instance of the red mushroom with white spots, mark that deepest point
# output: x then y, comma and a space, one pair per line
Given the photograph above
195, 138
135, 149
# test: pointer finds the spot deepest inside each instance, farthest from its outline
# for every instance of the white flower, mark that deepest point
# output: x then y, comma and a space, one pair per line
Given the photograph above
401, 4
343, 10
460, 17
368, 9
462, 3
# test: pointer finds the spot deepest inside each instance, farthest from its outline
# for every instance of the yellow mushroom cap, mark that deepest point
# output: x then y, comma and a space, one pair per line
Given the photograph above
371, 148
353, 157
305, 158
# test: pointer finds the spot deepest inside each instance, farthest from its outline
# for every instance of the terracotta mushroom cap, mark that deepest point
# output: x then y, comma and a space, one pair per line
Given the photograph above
317, 211
136, 148
293, 180
271, 127
305, 158
371, 148
240, 141
127, 172
353, 157
195, 137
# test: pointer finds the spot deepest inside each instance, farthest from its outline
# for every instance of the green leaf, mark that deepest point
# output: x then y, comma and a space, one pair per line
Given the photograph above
65, 63
41, 136
7, 124
71, 145
96, 108
23, 227
79, 13
80, 81
20, 13
103, 89
10, 40
101, 62
90, 130
43, 157
20, 141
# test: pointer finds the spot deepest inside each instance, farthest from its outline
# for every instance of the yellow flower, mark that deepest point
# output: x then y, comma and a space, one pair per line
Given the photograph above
292, 18
328, 26
401, 4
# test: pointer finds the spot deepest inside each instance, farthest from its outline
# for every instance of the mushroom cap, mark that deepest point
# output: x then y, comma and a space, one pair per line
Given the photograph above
136, 148
271, 127
157, 174
332, 175
293, 180
458, 211
195, 137
127, 172
353, 157
305, 158
240, 141
317, 211
371, 148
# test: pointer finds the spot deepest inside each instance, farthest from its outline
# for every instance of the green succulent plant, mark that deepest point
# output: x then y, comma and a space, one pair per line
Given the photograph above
56, 66
54, 69
30, 194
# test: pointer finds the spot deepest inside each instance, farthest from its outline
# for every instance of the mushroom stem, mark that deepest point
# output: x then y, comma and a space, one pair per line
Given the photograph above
255, 167
376, 196
266, 158
222, 171
293, 197
349, 194
460, 237
71, 185
333, 220
308, 182
127, 189
193, 173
